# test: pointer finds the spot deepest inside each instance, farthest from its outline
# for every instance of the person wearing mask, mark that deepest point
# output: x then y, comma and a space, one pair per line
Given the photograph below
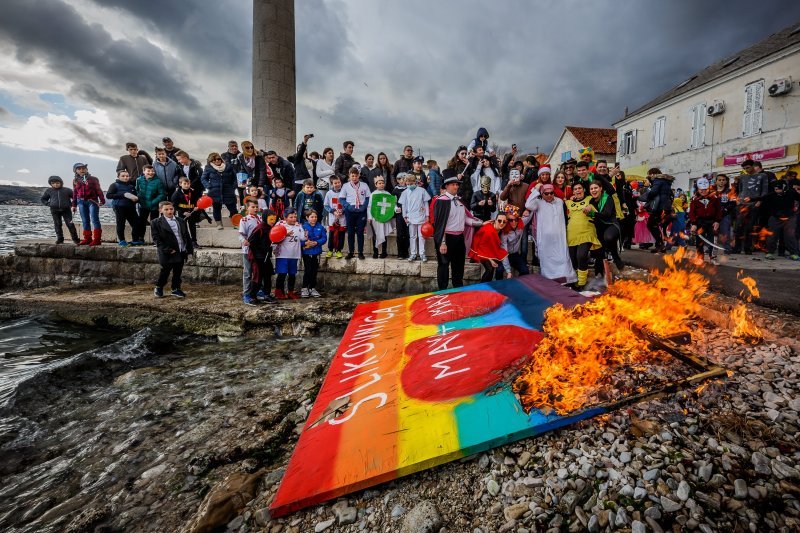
753, 188
705, 213
551, 233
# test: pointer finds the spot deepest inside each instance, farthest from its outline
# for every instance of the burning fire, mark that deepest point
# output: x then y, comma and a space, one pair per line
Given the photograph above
584, 344
744, 328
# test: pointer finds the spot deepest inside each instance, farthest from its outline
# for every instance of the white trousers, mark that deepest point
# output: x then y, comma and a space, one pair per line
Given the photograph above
416, 244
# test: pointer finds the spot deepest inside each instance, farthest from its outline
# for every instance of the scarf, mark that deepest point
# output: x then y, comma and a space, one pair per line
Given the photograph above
218, 168
358, 193
250, 162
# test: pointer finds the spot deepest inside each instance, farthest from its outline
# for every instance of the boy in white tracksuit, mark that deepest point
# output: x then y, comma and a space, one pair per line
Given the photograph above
414, 202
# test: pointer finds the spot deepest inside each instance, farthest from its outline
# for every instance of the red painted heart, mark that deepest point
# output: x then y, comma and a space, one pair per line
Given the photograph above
461, 363
441, 308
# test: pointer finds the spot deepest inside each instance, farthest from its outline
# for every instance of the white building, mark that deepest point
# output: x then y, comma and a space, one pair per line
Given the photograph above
745, 106
574, 138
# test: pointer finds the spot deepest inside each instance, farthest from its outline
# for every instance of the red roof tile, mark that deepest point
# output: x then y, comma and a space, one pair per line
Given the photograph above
601, 140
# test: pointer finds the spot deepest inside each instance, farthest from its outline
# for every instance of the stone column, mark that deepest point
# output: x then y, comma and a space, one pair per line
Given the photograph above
274, 105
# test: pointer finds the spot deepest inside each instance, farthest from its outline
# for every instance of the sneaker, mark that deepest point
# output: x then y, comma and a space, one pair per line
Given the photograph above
158, 292
423, 259
270, 299
338, 255
261, 295
329, 254
304, 293
350, 256
361, 256
280, 295
178, 293
411, 258
769, 256
292, 295
315, 294
248, 300
124, 244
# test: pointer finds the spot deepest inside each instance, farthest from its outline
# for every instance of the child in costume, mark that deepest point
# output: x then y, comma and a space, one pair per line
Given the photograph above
313, 240
247, 225
379, 229
414, 201
642, 235
337, 224
705, 213
287, 254
511, 240
260, 256
278, 197
185, 201
484, 201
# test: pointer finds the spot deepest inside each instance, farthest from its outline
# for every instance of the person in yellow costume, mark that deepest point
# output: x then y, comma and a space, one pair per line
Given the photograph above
581, 234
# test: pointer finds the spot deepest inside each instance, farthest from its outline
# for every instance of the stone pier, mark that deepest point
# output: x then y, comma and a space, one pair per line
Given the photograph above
274, 100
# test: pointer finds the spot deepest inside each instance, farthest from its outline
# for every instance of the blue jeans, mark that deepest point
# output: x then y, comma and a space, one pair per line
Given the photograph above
724, 234
89, 211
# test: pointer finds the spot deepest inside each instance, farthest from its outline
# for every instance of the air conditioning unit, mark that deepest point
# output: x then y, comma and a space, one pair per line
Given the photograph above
780, 87
717, 108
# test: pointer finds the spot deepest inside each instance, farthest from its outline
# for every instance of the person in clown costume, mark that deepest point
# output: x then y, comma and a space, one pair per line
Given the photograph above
587, 154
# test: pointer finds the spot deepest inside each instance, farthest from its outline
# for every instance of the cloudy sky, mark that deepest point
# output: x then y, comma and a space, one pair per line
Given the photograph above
81, 77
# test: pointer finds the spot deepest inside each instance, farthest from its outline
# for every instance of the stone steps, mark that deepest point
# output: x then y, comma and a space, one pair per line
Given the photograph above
37, 263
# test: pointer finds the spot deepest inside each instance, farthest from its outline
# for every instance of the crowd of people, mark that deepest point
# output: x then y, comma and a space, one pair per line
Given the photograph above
480, 207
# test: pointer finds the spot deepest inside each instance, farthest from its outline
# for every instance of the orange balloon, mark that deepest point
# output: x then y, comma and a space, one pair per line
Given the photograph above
204, 202
236, 219
427, 230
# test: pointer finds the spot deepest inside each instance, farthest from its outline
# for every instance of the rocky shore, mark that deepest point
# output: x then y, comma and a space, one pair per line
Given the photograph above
194, 436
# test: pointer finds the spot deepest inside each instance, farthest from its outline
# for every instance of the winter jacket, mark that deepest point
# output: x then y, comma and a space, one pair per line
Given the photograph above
477, 142
324, 172
705, 208
368, 176
753, 186
60, 199
515, 194
255, 175
117, 192
660, 196
605, 216
485, 211
168, 174
342, 165
435, 181
298, 160
87, 188
401, 165
282, 168
221, 186
781, 205
134, 165
194, 174
150, 192
184, 201
317, 233
313, 201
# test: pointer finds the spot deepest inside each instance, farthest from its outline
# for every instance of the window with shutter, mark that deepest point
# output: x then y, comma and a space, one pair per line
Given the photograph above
633, 142
753, 108
659, 131
698, 136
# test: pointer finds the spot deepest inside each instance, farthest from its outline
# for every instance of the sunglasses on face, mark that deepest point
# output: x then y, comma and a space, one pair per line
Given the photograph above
217, 159
501, 221
547, 193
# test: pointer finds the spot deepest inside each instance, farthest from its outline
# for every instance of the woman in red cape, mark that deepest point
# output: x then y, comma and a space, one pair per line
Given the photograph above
486, 247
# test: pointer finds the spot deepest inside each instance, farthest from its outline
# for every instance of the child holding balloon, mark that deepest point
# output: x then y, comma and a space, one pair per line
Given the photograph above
247, 226
287, 236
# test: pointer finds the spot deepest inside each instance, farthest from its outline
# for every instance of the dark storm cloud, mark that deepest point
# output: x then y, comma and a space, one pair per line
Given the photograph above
387, 73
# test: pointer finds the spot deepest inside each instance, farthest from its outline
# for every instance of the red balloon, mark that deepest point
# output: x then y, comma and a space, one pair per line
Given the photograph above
427, 230
634, 185
277, 233
204, 202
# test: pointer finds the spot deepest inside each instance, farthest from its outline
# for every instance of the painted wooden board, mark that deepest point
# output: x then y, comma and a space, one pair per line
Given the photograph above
421, 381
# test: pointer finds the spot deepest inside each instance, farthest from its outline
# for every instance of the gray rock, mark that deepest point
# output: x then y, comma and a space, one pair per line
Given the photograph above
515, 512
652, 474
524, 458
562, 473
705, 471
654, 525
670, 506
740, 489
638, 527
581, 514
666, 436
483, 461
653, 512
760, 463
423, 518
782, 470
262, 516
322, 526
625, 457
683, 490
492, 487
398, 511
627, 490
344, 513
639, 493
593, 526
621, 518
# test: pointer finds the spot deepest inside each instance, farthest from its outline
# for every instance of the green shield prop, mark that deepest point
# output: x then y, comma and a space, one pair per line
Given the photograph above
382, 206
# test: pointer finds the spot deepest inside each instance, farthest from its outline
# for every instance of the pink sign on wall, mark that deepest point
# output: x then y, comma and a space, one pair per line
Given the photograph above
761, 155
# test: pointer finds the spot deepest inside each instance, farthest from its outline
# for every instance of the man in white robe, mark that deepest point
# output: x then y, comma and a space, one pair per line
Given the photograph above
551, 234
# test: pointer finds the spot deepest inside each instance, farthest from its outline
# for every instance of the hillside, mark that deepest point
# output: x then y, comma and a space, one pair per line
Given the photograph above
16, 195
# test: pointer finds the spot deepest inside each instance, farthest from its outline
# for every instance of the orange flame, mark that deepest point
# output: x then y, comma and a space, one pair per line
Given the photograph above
584, 344
743, 327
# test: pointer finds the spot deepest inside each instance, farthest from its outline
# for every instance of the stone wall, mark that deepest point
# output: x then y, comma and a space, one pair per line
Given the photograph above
40, 264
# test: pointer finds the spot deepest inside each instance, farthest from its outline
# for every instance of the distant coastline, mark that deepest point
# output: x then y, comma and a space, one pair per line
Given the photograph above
18, 195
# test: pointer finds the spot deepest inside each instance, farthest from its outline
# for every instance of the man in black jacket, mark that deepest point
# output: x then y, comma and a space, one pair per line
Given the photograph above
174, 244
298, 160
450, 217
345, 160
404, 164
280, 167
